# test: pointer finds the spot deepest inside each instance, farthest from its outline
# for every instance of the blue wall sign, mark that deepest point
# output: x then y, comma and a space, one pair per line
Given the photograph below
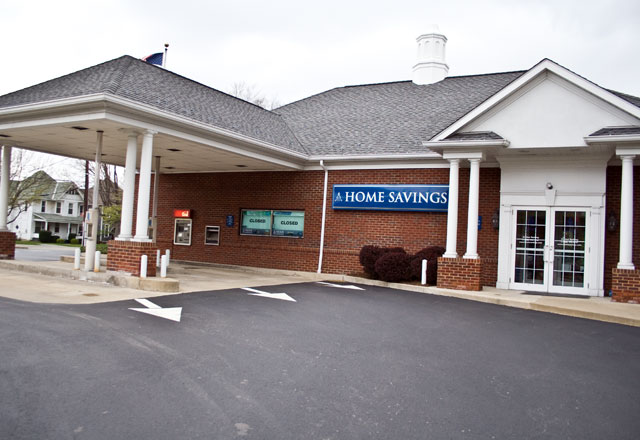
391, 197
230, 220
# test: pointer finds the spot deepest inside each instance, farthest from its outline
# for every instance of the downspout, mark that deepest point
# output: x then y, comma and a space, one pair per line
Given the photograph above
324, 215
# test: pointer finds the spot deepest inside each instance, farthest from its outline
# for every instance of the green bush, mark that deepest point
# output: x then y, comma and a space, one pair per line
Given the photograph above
72, 236
102, 247
44, 236
74, 241
61, 240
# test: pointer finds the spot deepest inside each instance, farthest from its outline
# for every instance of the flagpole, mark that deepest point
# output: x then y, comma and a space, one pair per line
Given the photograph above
164, 59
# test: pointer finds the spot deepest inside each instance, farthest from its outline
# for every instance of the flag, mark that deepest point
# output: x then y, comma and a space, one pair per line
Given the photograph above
154, 58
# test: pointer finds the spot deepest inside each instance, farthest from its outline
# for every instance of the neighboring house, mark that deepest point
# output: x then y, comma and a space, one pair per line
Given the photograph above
57, 207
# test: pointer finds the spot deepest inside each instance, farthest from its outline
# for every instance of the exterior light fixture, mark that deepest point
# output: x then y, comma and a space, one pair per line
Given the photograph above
495, 219
549, 185
612, 222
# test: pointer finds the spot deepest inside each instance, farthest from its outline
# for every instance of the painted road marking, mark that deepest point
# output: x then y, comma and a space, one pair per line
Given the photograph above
341, 286
172, 313
282, 296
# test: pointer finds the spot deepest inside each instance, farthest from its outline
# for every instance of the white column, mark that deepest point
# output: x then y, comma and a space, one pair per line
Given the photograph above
144, 188
128, 193
4, 187
626, 214
472, 217
452, 211
156, 182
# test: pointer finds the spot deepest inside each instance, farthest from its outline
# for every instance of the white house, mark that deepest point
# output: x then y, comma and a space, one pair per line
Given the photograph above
57, 208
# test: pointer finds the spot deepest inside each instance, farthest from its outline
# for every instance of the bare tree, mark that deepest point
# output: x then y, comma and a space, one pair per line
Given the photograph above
23, 190
250, 94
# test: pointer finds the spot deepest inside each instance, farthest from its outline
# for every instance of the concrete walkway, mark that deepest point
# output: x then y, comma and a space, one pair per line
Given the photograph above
57, 282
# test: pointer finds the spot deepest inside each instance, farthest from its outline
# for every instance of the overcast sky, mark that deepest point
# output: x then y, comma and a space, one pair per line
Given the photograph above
288, 50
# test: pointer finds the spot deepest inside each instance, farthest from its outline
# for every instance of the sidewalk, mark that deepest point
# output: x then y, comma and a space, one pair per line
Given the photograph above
57, 282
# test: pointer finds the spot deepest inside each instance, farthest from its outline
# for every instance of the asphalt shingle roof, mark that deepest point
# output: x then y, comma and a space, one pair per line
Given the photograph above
617, 131
145, 83
475, 136
390, 118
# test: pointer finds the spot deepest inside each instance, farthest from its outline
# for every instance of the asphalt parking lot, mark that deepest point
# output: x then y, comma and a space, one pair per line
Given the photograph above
335, 364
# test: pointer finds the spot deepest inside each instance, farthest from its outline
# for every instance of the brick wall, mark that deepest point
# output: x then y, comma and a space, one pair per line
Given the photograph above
626, 285
612, 239
212, 197
125, 256
7, 245
460, 273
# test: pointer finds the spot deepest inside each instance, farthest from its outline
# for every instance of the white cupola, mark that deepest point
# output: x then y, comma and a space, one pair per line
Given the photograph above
430, 66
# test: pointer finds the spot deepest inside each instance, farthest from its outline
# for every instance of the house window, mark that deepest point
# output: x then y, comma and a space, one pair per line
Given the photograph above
81, 209
56, 228
43, 206
70, 211
38, 227
58, 207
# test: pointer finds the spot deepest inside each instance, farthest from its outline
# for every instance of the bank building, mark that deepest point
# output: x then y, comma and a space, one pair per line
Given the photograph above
526, 178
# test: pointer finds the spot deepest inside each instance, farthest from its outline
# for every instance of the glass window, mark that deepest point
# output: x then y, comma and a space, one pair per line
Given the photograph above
58, 207
43, 206
255, 222
288, 224
70, 211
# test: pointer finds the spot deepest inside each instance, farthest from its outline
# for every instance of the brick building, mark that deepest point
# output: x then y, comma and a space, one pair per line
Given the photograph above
526, 178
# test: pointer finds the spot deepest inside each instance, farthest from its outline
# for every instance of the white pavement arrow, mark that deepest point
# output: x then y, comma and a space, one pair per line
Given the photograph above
282, 296
341, 286
172, 313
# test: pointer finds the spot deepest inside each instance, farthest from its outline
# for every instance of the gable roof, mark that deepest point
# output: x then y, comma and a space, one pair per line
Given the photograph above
627, 103
388, 118
148, 84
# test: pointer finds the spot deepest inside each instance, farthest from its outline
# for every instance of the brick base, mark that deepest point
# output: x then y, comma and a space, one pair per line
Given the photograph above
460, 273
7, 245
625, 285
125, 256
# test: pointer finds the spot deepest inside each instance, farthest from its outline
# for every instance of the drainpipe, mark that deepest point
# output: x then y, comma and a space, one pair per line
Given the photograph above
324, 214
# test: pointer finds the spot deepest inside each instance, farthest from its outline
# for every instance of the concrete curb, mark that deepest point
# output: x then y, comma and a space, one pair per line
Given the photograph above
119, 279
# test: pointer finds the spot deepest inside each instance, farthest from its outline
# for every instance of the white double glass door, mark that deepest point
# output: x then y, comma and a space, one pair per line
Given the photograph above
549, 250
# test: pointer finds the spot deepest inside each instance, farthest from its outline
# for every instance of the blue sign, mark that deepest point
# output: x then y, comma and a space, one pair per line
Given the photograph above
391, 197
230, 220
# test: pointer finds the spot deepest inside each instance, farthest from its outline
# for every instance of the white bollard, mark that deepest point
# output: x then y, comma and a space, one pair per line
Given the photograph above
424, 272
96, 262
157, 257
76, 260
163, 266
168, 254
143, 266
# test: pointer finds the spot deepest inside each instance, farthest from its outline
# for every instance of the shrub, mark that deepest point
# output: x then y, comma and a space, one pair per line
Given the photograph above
74, 241
72, 236
61, 240
430, 254
102, 247
44, 236
394, 266
54, 239
370, 254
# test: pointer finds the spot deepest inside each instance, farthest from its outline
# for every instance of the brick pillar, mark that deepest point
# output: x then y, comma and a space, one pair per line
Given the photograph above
460, 273
625, 285
125, 256
7, 245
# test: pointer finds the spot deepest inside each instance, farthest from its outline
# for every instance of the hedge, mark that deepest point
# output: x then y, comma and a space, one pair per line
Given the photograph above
394, 264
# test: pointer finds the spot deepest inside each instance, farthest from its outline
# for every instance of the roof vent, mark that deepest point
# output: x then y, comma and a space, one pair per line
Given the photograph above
430, 67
